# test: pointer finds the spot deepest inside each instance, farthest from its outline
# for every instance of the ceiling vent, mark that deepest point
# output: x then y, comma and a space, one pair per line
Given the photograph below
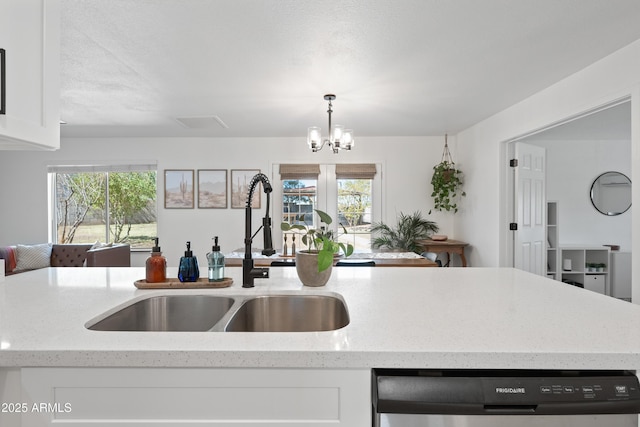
206, 122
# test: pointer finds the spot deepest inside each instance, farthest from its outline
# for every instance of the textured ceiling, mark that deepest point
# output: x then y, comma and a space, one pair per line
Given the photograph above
236, 68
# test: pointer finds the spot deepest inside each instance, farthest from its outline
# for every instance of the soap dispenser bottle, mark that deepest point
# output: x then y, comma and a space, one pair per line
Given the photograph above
188, 270
216, 263
156, 265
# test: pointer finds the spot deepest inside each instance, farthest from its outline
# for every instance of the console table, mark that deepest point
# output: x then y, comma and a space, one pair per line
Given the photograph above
449, 246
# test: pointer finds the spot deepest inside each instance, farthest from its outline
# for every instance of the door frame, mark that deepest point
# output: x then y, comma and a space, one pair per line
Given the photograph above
507, 211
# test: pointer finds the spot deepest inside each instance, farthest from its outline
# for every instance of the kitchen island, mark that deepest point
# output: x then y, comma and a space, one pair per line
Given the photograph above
458, 318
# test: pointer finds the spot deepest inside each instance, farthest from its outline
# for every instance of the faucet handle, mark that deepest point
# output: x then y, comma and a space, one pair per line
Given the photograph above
261, 273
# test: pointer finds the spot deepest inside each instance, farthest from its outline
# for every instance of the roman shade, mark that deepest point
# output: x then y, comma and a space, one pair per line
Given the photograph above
356, 171
110, 167
299, 171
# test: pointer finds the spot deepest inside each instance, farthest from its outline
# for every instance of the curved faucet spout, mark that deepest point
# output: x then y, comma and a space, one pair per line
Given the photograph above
260, 177
249, 273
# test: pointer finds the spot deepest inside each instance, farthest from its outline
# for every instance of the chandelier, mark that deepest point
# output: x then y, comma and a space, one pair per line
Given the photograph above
339, 137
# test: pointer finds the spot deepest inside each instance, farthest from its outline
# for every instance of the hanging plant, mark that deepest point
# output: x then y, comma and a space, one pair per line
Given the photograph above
446, 182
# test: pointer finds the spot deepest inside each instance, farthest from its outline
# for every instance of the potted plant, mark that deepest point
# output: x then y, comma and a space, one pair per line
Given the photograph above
314, 264
407, 231
446, 182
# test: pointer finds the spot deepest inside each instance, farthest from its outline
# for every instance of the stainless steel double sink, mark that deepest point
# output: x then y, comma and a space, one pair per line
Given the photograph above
233, 313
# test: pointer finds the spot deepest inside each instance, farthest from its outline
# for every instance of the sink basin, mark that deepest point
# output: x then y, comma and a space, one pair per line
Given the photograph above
234, 313
192, 313
289, 313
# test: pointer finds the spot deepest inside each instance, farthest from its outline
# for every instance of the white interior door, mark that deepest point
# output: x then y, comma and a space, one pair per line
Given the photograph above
530, 237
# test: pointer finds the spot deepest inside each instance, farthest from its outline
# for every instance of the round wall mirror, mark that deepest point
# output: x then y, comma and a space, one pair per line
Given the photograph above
611, 193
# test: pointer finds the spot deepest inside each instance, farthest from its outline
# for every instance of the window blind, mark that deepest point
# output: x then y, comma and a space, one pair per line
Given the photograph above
111, 167
299, 171
356, 170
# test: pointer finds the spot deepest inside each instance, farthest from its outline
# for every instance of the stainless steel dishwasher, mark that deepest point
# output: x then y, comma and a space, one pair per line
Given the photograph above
475, 398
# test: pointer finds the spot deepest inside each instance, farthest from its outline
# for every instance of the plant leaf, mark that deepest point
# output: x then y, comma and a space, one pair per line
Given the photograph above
325, 259
324, 217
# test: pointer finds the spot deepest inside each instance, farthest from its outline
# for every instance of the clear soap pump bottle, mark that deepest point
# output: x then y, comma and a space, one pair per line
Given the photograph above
156, 265
216, 263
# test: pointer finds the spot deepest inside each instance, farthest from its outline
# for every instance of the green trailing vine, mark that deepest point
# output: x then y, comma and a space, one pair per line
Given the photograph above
447, 183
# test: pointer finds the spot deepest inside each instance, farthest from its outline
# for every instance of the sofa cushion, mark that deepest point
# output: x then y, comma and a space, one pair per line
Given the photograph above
30, 257
69, 255
118, 255
8, 254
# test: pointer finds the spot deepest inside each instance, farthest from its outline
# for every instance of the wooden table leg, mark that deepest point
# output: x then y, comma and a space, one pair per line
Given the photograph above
463, 258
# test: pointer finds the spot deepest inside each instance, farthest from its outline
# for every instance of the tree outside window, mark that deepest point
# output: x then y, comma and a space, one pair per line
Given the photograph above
116, 207
354, 211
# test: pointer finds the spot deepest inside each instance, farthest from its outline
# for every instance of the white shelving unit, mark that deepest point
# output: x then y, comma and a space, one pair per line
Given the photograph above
578, 257
552, 240
573, 267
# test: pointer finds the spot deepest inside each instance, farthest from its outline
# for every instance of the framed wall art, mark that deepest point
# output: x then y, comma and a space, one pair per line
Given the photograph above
240, 179
178, 188
212, 188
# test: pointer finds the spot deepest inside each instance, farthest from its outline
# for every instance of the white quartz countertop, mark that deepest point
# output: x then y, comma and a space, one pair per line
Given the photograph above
400, 317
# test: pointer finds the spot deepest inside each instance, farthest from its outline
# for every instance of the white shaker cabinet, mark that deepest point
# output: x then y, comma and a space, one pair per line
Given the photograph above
167, 397
30, 37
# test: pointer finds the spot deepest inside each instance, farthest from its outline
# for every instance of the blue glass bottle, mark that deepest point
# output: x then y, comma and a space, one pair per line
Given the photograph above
188, 270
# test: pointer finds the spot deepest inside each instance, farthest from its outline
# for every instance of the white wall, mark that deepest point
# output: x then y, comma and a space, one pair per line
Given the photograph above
571, 168
407, 167
480, 148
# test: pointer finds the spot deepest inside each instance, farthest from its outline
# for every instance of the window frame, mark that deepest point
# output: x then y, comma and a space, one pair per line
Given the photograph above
326, 197
53, 170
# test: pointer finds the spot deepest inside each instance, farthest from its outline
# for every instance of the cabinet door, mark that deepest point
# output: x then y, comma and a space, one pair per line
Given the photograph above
30, 36
139, 397
595, 283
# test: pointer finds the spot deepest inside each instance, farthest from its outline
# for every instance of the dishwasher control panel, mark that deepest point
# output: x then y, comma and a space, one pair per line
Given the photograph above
505, 392
561, 388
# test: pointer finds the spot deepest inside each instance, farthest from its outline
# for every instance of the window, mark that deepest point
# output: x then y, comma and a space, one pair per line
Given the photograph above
298, 200
350, 193
354, 211
112, 204
355, 203
299, 194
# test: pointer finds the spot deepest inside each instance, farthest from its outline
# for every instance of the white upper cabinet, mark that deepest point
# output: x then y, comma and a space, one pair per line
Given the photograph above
30, 37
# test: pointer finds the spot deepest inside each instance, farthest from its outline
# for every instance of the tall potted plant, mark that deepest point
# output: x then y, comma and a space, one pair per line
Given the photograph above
407, 231
314, 265
446, 182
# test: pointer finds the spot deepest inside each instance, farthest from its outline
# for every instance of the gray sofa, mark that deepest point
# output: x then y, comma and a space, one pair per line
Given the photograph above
20, 258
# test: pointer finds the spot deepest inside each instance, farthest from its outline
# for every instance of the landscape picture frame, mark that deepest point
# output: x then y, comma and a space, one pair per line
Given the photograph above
212, 189
178, 188
240, 180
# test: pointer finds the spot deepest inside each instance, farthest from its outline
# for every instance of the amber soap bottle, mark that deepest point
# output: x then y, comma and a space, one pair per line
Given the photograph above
156, 265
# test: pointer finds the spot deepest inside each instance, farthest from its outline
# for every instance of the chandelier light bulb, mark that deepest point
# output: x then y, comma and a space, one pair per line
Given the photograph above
314, 138
347, 139
337, 133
